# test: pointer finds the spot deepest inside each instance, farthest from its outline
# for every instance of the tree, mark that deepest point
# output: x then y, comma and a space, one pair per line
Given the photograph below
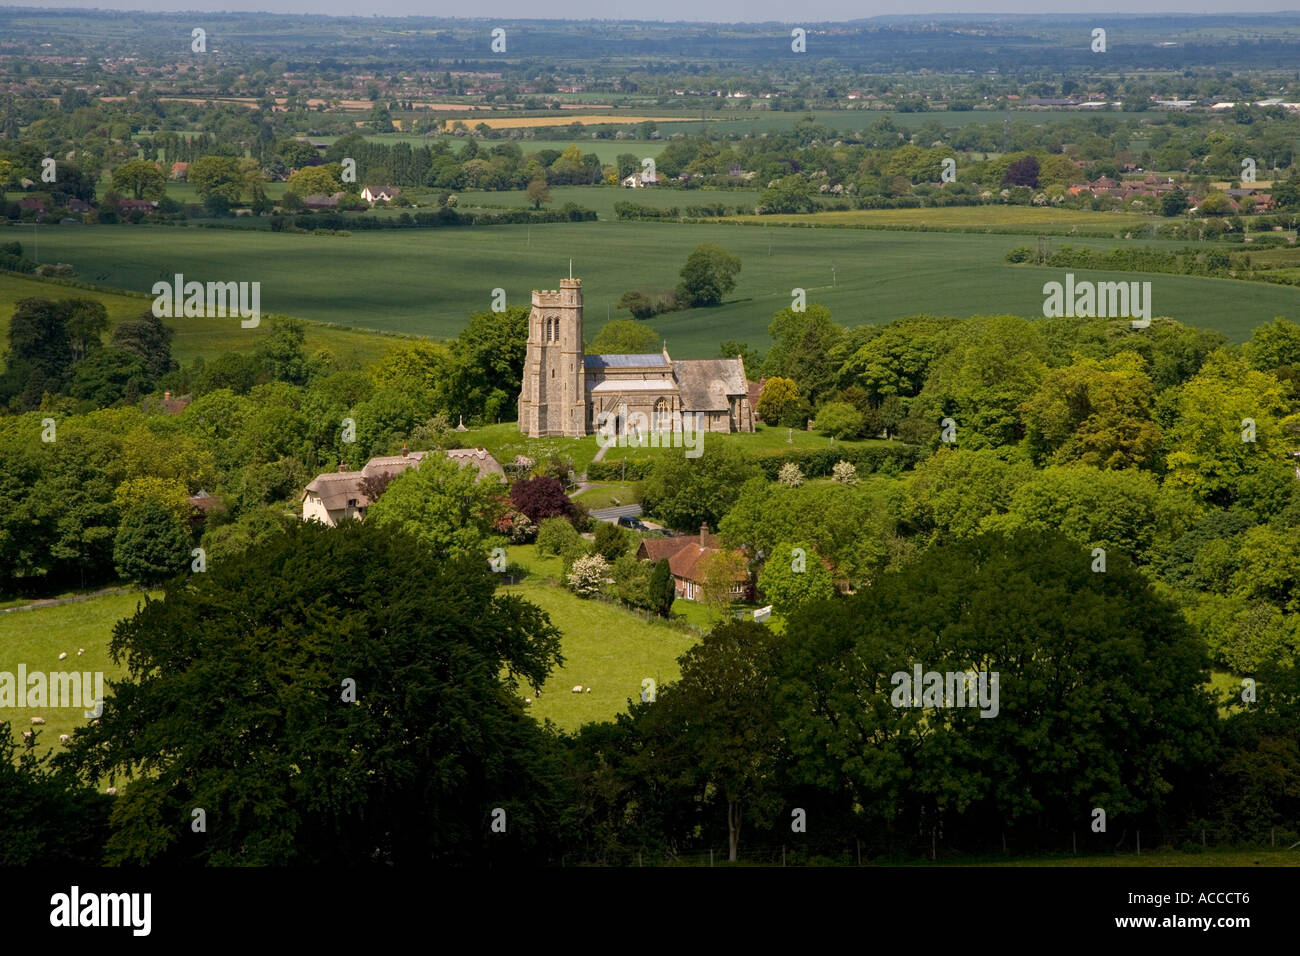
374, 686
638, 303
443, 505
715, 726
790, 475
1173, 203
151, 544
47, 816
803, 349
839, 420
723, 575
1022, 172
662, 589
611, 541
538, 192
1211, 454
86, 322
687, 492
488, 365
148, 340
108, 376
541, 498
793, 575
624, 337
314, 180
1099, 698
281, 353
709, 274
217, 176
587, 575
779, 398
1097, 413
40, 353
143, 179
1274, 346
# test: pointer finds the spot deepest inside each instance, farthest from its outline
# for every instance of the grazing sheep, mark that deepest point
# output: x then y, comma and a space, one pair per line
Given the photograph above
38, 720
588, 690
28, 734
81, 651
577, 688
63, 655
64, 738
112, 791
528, 700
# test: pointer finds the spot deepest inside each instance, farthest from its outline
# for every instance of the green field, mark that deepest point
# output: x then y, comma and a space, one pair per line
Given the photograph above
426, 282
36, 638
196, 337
603, 198
605, 647
994, 218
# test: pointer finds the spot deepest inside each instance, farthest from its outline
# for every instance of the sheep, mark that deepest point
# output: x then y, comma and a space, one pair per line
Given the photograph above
528, 700
38, 720
577, 688
29, 736
588, 690
64, 738
63, 655
112, 791
81, 651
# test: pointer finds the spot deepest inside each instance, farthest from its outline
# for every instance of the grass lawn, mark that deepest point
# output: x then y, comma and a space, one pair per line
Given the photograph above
505, 441
609, 495
764, 439
36, 638
196, 338
604, 646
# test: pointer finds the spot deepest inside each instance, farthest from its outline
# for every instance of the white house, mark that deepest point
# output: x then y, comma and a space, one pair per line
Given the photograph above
380, 193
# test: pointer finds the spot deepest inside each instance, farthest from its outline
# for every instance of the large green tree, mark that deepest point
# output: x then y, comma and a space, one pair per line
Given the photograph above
335, 696
708, 275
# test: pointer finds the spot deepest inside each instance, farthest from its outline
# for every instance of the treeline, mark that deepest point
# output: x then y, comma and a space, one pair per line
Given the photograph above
759, 728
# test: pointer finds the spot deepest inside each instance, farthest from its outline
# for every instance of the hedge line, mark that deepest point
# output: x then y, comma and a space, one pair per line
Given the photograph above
813, 462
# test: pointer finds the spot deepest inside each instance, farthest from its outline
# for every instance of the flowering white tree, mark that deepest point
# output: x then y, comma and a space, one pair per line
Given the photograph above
588, 574
845, 472
790, 475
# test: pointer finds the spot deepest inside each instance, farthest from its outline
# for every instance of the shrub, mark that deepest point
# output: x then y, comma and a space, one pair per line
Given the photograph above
790, 475
839, 420
555, 536
845, 473
587, 575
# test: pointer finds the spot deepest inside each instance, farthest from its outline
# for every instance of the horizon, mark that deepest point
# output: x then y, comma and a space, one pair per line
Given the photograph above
672, 11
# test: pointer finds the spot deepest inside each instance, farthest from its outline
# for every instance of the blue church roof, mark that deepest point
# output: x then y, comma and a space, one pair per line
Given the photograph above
653, 359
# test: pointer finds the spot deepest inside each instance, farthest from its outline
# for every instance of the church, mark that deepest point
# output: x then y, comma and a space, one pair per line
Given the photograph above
568, 393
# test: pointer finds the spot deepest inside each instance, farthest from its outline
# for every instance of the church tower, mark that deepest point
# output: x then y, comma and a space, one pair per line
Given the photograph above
552, 398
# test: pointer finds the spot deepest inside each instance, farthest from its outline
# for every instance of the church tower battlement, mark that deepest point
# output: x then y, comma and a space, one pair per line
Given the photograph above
552, 401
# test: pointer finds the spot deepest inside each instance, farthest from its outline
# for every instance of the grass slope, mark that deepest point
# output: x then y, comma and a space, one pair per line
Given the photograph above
196, 338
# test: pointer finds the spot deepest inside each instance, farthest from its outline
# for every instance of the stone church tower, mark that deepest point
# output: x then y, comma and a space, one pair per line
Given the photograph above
553, 401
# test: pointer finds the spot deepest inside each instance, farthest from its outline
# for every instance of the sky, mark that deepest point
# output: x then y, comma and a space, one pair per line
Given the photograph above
732, 11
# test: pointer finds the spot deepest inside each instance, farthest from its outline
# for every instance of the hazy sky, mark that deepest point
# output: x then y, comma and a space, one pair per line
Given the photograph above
785, 11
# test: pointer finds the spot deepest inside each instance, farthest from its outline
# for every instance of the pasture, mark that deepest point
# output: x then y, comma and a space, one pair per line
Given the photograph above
605, 646
35, 639
428, 281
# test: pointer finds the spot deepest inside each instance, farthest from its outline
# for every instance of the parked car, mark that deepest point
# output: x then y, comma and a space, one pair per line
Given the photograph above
636, 524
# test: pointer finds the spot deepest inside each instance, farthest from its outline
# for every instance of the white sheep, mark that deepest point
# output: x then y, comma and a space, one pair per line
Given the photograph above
577, 688
112, 791
38, 720
28, 734
588, 690
64, 738
81, 651
63, 655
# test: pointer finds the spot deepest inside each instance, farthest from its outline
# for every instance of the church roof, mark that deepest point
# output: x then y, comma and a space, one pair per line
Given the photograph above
650, 359
705, 384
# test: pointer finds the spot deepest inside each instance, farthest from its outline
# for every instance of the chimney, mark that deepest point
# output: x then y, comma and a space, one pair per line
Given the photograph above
704, 533
167, 396
403, 451
343, 466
